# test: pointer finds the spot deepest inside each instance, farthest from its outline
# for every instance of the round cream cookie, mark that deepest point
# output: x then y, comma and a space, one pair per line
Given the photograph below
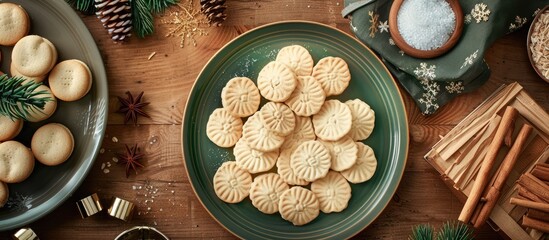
252, 160
4, 194
364, 167
333, 121
14, 23
49, 107
52, 144
363, 119
333, 192
33, 56
240, 96
15, 73
258, 136
285, 171
297, 58
343, 153
307, 98
333, 75
303, 132
298, 205
278, 118
70, 80
16, 162
231, 183
276, 82
223, 128
265, 192
310, 161
9, 128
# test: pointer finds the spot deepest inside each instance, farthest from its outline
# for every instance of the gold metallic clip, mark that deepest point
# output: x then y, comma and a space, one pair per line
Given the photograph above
121, 209
25, 234
89, 206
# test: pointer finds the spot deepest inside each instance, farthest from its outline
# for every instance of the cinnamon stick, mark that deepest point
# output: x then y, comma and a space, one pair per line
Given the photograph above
530, 204
539, 215
525, 193
535, 224
541, 172
534, 185
503, 173
488, 163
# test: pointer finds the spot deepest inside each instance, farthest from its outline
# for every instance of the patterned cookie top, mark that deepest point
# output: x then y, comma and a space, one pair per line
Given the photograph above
258, 136
285, 171
276, 82
333, 74
231, 183
310, 161
343, 153
365, 166
297, 58
240, 96
363, 119
299, 206
307, 98
265, 192
223, 128
252, 160
278, 118
333, 121
333, 192
303, 132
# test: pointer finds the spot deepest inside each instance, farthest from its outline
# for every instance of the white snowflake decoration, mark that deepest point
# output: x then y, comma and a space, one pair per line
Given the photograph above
519, 22
426, 74
383, 27
480, 12
467, 19
391, 41
455, 87
470, 59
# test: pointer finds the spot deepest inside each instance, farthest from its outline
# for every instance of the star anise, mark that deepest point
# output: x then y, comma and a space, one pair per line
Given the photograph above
131, 158
132, 107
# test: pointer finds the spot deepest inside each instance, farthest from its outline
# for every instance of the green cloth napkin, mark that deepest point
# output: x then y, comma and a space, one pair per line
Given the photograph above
433, 82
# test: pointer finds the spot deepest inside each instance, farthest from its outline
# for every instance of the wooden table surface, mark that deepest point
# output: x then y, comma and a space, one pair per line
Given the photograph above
162, 190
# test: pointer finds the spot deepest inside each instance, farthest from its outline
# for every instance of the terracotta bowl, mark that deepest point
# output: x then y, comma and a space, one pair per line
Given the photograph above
529, 42
414, 52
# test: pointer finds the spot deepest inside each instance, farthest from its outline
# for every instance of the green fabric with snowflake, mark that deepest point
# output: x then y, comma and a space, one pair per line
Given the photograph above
433, 82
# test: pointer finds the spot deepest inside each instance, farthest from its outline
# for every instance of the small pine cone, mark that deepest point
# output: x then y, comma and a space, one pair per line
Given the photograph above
214, 11
116, 18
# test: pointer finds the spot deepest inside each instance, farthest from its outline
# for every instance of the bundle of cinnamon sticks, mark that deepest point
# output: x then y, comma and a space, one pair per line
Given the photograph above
482, 197
533, 193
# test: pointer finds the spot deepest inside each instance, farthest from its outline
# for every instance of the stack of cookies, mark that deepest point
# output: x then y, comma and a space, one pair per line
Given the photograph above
34, 58
314, 143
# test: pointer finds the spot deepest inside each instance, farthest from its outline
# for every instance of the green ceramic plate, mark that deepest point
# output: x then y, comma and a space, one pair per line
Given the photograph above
49, 187
371, 82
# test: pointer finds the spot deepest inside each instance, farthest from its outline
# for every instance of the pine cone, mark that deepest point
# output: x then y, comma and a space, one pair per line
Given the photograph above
116, 18
214, 11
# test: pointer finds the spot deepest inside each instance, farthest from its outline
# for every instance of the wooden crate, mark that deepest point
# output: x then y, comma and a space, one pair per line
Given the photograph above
459, 154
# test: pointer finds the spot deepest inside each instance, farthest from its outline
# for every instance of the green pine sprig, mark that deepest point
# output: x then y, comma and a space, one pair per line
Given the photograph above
142, 18
448, 231
85, 6
422, 232
455, 231
142, 12
158, 6
18, 99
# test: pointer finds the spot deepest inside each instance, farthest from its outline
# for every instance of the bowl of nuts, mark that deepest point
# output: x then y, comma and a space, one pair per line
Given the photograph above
538, 43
